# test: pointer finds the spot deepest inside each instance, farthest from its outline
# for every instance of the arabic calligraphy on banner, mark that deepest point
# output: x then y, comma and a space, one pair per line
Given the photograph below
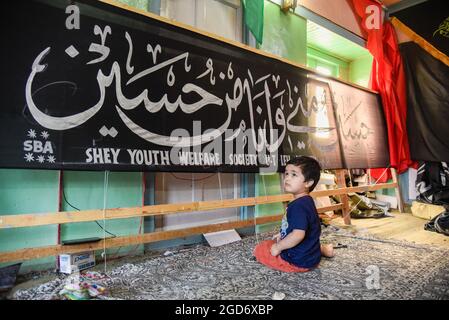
95, 87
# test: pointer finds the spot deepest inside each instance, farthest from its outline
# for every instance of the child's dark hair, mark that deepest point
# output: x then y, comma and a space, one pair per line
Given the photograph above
310, 169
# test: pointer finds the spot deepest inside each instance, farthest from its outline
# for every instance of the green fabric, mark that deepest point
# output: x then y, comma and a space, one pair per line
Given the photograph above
253, 13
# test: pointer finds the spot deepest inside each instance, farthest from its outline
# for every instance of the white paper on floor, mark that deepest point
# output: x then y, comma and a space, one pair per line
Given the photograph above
393, 201
220, 238
278, 296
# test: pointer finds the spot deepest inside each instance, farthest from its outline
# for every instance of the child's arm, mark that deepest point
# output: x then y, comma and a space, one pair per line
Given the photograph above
277, 237
291, 240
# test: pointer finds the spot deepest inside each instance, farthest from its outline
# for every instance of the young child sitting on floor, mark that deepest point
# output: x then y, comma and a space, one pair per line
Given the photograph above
297, 247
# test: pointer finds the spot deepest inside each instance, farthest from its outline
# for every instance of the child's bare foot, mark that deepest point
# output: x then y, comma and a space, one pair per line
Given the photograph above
327, 250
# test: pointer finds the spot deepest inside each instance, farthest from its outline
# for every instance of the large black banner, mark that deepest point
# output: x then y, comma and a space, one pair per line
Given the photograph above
91, 86
361, 125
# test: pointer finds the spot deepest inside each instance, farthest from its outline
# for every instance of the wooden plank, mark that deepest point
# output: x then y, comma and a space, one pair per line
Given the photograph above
32, 220
40, 252
334, 207
343, 190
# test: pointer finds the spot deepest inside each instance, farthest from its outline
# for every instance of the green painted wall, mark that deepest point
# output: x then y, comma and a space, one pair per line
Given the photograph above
36, 191
86, 190
268, 184
360, 70
284, 34
339, 68
28, 191
139, 4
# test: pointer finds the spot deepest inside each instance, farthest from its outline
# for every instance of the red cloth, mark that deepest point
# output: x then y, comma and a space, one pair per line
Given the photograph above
388, 78
381, 175
263, 255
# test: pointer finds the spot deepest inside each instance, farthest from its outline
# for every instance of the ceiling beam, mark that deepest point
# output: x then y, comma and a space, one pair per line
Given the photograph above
312, 16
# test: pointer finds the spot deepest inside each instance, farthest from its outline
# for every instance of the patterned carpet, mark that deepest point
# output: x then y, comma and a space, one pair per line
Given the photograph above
405, 271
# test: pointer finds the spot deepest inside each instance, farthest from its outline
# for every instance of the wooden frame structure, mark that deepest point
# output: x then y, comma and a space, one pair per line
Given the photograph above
33, 220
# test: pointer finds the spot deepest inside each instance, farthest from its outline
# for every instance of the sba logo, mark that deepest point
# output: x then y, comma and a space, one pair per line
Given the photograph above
37, 146
37, 150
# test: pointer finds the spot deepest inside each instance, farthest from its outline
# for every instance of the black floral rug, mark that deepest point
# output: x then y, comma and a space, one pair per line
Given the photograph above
367, 268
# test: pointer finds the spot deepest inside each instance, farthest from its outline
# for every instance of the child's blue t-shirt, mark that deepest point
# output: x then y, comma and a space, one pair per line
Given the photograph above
302, 215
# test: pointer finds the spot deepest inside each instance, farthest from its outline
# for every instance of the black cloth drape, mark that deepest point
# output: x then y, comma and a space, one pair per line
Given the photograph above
428, 104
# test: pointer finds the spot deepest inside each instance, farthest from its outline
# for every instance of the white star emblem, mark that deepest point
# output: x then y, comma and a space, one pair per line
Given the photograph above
41, 159
45, 135
51, 159
31, 133
29, 157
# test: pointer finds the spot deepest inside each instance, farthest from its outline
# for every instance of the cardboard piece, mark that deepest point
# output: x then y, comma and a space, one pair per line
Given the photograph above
220, 238
69, 263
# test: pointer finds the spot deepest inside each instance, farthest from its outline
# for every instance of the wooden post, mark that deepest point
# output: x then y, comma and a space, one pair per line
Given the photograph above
60, 208
341, 182
397, 190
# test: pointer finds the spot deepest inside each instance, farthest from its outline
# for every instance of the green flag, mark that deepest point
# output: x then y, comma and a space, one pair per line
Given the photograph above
253, 13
